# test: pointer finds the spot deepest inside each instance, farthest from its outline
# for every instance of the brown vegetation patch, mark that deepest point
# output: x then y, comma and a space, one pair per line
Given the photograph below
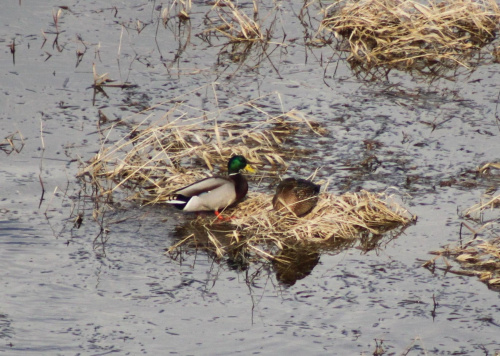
413, 35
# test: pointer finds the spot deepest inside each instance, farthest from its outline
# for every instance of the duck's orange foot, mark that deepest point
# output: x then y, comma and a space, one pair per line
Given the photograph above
222, 218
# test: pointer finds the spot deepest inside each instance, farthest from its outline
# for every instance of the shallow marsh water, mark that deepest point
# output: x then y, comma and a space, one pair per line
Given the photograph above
59, 294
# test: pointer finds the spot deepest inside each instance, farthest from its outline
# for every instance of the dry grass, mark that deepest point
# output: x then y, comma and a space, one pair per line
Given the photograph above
487, 203
491, 199
12, 143
176, 8
233, 23
478, 257
413, 34
343, 217
256, 225
154, 159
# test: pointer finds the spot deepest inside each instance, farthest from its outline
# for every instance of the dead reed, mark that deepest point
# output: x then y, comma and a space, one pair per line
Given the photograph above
12, 143
413, 34
488, 202
176, 8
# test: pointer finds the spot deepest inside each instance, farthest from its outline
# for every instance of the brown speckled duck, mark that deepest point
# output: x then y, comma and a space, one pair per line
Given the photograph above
299, 196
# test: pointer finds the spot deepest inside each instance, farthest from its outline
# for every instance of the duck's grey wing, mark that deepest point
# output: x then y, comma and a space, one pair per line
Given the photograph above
215, 199
202, 186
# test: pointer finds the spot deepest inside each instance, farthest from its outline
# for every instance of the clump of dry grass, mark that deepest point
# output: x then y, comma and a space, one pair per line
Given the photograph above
478, 257
345, 217
154, 159
413, 34
488, 167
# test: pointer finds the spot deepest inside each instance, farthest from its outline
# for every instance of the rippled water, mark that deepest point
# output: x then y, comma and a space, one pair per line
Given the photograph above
63, 293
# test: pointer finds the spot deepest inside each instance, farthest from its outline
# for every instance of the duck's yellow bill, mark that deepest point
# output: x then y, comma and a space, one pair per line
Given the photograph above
250, 169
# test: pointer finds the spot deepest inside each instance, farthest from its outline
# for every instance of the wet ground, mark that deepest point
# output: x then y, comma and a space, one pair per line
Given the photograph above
63, 293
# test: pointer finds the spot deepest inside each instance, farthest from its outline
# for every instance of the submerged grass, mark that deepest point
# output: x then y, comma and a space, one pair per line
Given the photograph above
411, 34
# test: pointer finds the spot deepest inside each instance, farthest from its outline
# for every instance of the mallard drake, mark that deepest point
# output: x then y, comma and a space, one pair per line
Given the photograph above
214, 193
299, 196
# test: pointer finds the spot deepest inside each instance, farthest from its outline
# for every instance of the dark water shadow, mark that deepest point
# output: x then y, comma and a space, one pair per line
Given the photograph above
283, 261
6, 328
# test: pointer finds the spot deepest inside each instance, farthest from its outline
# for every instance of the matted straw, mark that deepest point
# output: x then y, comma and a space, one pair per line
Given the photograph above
255, 223
343, 216
413, 34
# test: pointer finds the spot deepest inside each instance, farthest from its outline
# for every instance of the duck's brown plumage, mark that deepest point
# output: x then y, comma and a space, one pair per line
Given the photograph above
297, 195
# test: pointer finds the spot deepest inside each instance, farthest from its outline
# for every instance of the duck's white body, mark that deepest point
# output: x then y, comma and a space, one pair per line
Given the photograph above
214, 193
209, 194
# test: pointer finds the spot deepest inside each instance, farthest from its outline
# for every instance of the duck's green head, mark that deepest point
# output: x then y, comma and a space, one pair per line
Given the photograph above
237, 163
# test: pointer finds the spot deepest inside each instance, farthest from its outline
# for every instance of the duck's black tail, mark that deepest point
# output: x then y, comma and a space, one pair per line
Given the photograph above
178, 200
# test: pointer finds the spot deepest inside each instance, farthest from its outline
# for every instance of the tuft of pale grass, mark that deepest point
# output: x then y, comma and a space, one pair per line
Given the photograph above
412, 34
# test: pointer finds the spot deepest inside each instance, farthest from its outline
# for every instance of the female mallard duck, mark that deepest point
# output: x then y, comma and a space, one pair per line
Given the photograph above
214, 193
296, 195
